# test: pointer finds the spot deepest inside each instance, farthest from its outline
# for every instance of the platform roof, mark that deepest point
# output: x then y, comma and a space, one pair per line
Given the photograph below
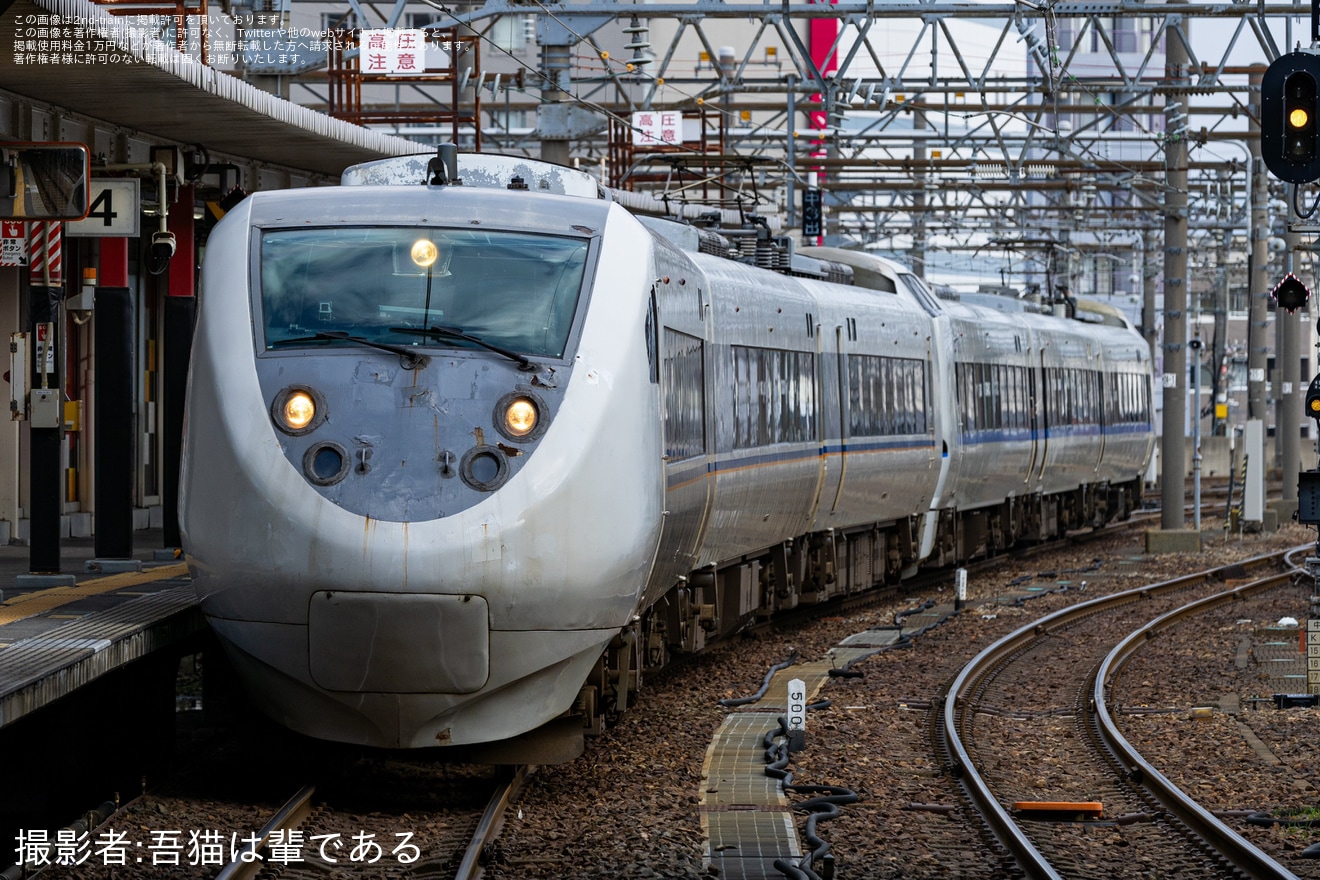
171, 96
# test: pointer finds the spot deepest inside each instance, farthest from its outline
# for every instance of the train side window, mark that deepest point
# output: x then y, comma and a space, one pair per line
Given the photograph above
742, 388
774, 398
997, 370
909, 396
684, 395
922, 397
1093, 388
1011, 394
983, 395
1053, 395
859, 395
1024, 398
963, 380
651, 342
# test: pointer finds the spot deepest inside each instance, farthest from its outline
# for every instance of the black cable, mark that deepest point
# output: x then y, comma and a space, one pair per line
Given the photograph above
765, 685
822, 808
1265, 820
1297, 207
903, 615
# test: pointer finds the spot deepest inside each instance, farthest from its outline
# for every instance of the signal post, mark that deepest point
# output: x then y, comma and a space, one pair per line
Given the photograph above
1290, 147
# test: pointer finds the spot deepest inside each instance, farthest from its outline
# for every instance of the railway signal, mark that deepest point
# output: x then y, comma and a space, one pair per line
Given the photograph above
1290, 293
1313, 398
1289, 107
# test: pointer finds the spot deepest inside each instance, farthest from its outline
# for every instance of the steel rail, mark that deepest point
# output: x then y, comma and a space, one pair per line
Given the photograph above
488, 827
1228, 842
978, 791
289, 816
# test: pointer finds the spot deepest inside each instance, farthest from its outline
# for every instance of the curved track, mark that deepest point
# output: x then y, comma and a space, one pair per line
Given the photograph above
1031, 698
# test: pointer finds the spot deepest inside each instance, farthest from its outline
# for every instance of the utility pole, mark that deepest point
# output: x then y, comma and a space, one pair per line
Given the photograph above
1173, 451
1288, 406
1258, 284
1149, 272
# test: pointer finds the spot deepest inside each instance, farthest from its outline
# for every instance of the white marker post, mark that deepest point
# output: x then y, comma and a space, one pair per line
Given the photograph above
1312, 648
797, 715
960, 588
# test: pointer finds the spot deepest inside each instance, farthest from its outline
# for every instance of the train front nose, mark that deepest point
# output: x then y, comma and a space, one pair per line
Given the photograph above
395, 514
372, 641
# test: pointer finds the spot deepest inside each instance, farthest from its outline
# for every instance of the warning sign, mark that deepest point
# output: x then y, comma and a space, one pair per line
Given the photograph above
13, 243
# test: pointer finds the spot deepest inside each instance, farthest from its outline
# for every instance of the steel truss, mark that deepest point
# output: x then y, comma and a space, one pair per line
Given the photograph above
998, 121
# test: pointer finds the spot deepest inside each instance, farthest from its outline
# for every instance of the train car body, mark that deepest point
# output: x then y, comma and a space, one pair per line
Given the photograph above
462, 462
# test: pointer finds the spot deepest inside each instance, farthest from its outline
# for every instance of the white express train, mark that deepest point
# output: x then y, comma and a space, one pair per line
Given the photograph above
464, 461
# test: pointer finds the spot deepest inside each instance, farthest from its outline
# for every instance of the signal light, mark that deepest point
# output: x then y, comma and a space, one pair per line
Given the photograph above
1299, 94
1290, 293
1313, 398
1289, 107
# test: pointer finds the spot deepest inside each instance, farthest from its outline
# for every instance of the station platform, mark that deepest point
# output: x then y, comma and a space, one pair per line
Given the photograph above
56, 635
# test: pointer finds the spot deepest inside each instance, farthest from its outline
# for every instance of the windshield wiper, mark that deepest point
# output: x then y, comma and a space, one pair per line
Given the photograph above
434, 332
409, 359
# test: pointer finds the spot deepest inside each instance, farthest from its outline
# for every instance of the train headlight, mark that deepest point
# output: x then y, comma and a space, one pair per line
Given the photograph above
297, 410
424, 252
520, 416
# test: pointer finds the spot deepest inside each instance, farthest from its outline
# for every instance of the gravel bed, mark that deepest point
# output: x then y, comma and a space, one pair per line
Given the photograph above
629, 807
1246, 756
640, 818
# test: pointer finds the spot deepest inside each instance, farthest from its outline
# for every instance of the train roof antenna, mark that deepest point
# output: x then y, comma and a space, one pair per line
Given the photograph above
442, 170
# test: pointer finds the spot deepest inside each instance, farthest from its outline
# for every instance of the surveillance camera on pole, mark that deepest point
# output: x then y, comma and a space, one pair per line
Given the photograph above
162, 246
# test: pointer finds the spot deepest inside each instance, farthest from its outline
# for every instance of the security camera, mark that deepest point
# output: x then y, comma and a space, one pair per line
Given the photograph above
162, 246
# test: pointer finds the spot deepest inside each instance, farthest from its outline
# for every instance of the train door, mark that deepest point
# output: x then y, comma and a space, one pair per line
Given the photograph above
1040, 394
681, 310
1102, 423
832, 478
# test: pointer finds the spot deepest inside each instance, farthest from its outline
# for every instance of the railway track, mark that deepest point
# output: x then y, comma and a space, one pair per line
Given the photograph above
325, 843
1038, 697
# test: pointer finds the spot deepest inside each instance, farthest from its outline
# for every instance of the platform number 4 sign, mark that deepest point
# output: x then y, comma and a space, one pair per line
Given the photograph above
114, 211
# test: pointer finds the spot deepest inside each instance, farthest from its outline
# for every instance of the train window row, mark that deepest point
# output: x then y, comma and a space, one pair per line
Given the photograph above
993, 397
886, 395
684, 389
1127, 399
774, 396
1072, 396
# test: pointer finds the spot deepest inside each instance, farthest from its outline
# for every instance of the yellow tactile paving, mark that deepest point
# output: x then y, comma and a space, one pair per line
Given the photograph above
34, 603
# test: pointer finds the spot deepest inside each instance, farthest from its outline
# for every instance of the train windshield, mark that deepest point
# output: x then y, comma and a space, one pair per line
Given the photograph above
511, 290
